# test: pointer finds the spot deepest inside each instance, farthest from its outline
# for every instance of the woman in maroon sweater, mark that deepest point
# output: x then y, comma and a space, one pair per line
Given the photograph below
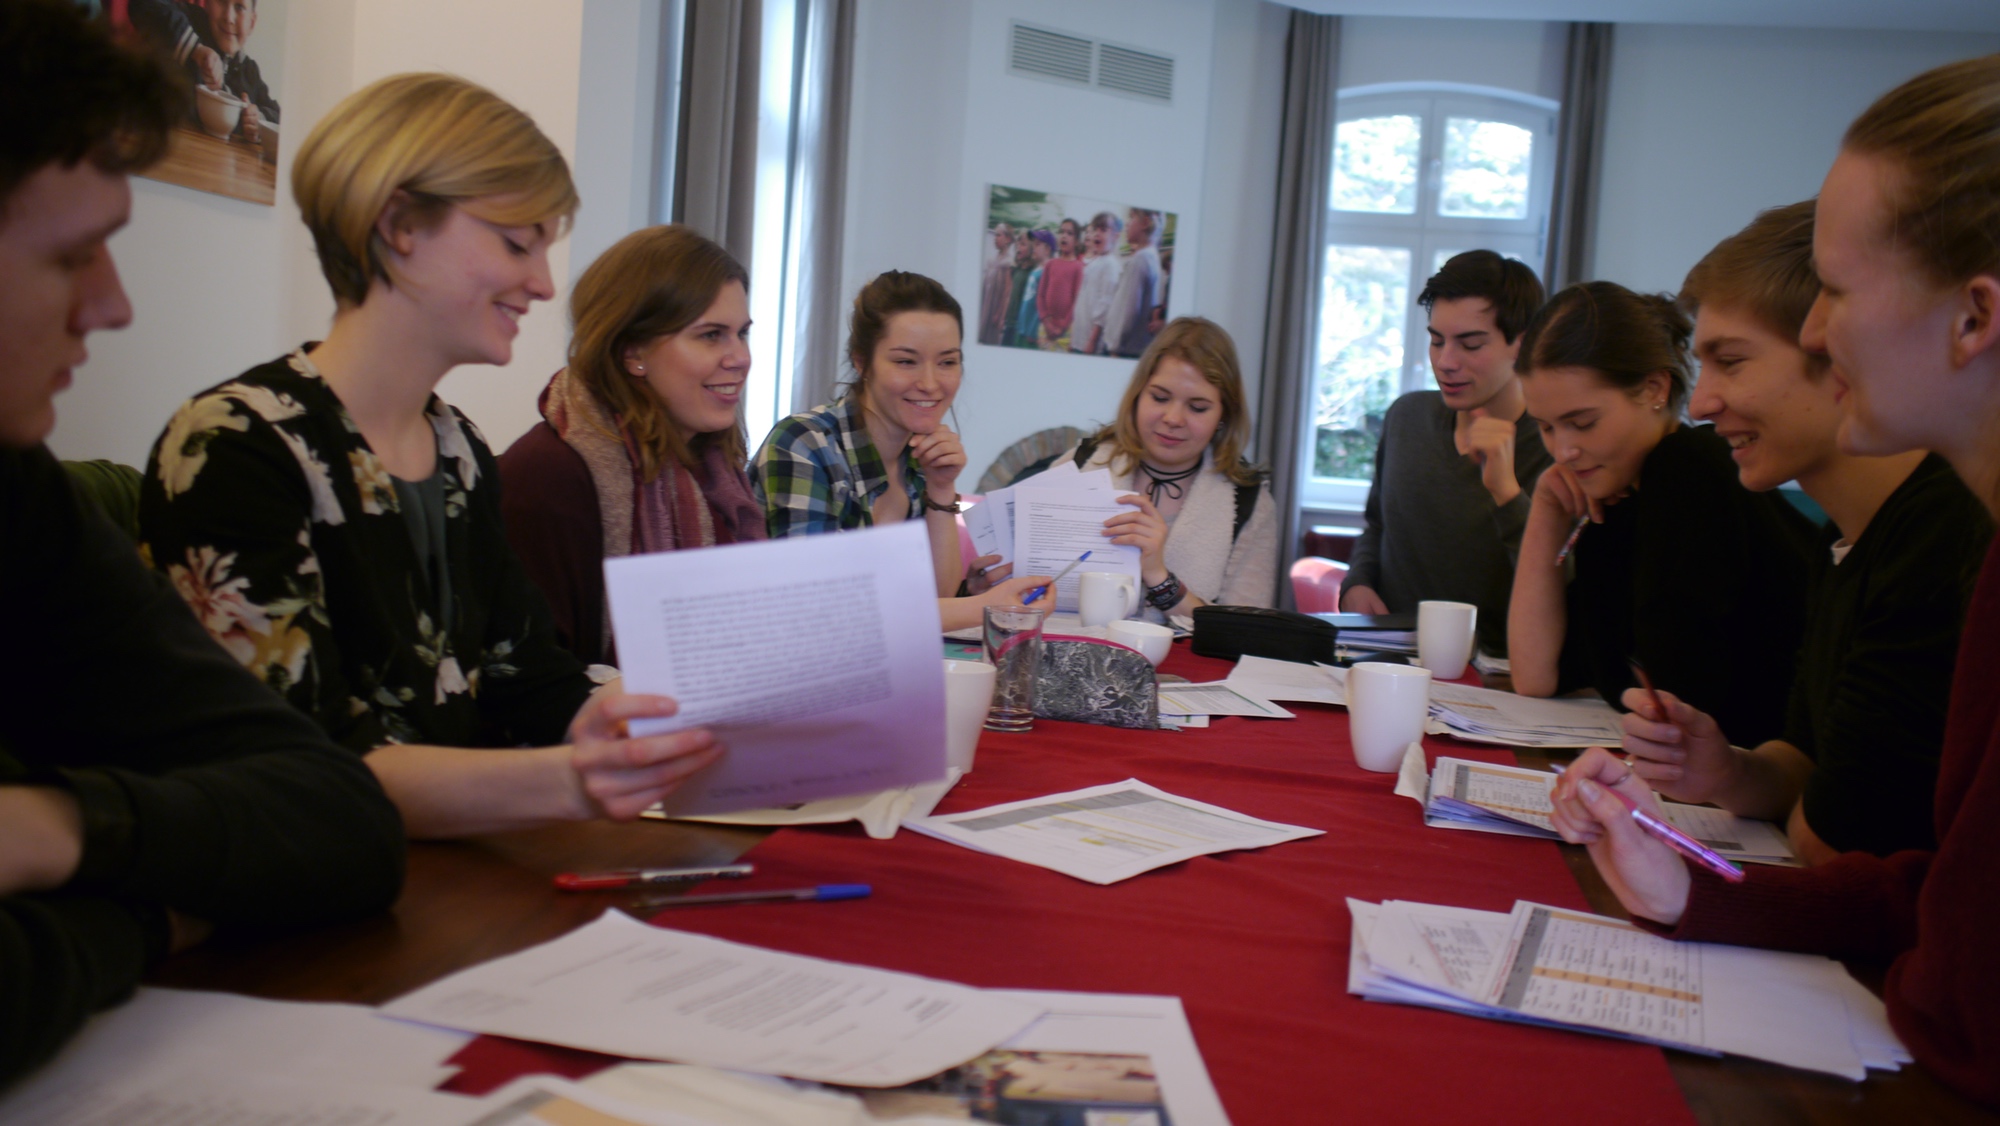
1907, 248
641, 446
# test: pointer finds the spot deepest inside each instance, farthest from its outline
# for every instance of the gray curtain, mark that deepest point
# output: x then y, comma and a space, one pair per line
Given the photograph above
819, 197
715, 166
1298, 253
1579, 153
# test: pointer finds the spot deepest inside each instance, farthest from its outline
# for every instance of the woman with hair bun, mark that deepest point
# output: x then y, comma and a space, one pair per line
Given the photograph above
1203, 519
883, 453
337, 527
1906, 244
1676, 564
641, 445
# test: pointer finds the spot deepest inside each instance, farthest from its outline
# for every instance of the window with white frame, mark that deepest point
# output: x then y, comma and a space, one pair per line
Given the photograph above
1420, 172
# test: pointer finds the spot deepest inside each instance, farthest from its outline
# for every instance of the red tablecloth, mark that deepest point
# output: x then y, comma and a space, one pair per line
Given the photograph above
1254, 943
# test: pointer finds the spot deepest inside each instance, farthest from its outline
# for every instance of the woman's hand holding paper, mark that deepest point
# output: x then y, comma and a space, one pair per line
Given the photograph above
1649, 878
619, 775
1145, 529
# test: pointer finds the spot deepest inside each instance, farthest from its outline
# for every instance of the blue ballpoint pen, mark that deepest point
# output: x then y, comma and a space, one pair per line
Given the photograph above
1041, 590
823, 891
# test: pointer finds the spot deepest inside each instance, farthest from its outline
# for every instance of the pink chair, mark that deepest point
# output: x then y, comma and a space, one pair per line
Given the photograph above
1316, 585
966, 551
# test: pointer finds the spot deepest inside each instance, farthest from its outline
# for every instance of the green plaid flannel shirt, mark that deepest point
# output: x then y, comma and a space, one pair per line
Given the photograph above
820, 472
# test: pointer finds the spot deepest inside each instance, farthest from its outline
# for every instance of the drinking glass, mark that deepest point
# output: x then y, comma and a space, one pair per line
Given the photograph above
1013, 639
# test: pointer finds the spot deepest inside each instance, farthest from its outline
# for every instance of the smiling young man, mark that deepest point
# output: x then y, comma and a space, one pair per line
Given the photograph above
1857, 766
1456, 466
148, 785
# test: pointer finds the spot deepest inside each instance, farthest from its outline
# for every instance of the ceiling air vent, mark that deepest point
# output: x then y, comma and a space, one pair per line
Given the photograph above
1049, 54
1135, 72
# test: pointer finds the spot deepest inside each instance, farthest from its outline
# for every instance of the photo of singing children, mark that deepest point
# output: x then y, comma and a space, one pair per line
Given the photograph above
1060, 273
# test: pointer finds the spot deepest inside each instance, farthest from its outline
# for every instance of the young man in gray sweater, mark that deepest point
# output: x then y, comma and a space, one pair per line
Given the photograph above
1455, 466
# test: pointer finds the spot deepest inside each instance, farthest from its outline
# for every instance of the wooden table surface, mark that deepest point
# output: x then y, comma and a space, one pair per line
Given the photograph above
469, 901
233, 168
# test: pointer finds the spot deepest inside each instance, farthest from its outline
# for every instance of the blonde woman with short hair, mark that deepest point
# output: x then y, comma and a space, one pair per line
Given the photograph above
337, 527
1203, 520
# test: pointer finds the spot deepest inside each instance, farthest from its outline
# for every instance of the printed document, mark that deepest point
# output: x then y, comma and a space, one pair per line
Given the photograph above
1054, 526
1269, 679
1220, 698
625, 988
1107, 833
991, 521
814, 659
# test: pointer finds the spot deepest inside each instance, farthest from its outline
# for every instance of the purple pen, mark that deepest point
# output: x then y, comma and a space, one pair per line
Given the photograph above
1680, 842
1570, 543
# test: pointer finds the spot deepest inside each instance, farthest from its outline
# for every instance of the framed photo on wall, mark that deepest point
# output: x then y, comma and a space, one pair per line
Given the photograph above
1062, 273
232, 55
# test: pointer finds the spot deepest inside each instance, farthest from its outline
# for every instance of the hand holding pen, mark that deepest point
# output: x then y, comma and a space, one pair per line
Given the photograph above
1560, 488
1593, 805
1678, 750
1051, 585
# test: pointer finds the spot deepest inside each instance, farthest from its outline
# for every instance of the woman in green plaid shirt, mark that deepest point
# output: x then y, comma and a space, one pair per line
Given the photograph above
823, 470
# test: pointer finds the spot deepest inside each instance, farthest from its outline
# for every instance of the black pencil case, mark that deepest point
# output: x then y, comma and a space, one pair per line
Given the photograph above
1232, 632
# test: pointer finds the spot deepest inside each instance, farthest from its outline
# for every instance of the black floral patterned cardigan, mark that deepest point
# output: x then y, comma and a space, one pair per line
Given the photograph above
267, 510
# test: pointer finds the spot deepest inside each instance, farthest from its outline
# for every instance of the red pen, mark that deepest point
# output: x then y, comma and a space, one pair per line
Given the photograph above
1646, 682
639, 877
1678, 841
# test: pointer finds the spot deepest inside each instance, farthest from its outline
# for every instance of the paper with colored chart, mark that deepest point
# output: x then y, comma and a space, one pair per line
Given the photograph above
1570, 969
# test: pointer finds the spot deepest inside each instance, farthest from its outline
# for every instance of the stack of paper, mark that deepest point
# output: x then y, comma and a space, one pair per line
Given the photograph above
1042, 524
1107, 833
1461, 794
1378, 633
1479, 715
1567, 969
1486, 716
1119, 1058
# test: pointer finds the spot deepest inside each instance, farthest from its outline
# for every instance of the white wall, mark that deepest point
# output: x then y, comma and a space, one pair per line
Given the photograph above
1706, 126
616, 118
218, 285
937, 118
1520, 55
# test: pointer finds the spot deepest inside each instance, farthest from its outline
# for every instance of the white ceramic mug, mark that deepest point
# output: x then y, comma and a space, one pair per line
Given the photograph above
1386, 706
1154, 642
1103, 597
968, 693
1445, 632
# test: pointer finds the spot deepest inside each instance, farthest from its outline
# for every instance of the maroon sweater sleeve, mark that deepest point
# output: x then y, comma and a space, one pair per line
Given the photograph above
1936, 914
553, 524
